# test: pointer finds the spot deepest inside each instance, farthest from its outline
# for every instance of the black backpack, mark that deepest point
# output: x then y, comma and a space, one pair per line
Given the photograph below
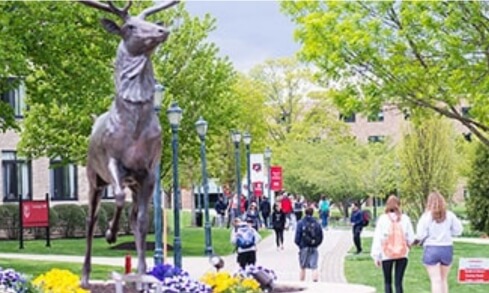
366, 216
310, 235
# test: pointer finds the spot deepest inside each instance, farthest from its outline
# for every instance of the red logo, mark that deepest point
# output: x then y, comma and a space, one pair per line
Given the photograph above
256, 167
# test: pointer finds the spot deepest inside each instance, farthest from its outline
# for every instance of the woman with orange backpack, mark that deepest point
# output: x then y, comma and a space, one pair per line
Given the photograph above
393, 237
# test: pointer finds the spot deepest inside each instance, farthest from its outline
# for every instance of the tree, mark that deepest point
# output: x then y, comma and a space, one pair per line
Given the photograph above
66, 59
431, 55
285, 83
427, 162
478, 201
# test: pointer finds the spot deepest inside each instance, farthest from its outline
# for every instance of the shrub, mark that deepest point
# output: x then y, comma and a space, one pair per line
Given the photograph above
9, 220
72, 219
478, 202
102, 222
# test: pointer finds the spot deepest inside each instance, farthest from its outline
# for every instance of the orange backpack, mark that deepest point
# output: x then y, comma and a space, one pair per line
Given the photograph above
395, 245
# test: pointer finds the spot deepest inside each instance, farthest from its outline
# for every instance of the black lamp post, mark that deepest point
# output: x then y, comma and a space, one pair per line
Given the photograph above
158, 253
268, 156
236, 137
247, 142
174, 114
201, 126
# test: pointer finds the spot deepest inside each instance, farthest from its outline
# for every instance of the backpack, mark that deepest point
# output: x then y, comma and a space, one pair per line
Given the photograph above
310, 235
395, 246
245, 238
366, 217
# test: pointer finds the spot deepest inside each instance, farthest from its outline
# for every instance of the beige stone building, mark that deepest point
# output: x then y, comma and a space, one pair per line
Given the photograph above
33, 179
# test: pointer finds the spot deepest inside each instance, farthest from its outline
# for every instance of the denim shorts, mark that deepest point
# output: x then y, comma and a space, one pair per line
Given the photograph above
433, 255
308, 258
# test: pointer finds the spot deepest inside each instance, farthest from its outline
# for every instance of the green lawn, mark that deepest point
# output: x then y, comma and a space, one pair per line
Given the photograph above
192, 244
361, 270
39, 267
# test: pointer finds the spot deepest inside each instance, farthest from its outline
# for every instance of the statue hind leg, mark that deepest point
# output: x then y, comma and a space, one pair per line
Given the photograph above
94, 196
120, 198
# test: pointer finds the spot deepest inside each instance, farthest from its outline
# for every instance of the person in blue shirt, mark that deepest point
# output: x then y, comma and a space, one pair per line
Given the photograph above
356, 220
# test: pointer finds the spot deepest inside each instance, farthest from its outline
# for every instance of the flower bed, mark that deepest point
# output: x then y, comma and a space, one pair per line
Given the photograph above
251, 280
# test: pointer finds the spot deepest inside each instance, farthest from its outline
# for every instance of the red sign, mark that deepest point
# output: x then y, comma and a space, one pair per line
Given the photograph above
473, 270
35, 213
276, 178
258, 188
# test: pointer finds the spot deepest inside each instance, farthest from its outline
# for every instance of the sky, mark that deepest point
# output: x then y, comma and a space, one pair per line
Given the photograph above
249, 32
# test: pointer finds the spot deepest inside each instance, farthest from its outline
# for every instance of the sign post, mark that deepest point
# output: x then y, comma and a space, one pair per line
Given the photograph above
34, 214
473, 271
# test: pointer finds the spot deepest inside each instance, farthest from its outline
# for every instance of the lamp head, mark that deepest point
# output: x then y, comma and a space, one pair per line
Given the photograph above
268, 153
247, 138
158, 100
201, 127
236, 136
174, 114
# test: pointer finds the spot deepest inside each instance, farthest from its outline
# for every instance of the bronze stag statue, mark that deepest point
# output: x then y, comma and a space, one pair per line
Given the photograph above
125, 143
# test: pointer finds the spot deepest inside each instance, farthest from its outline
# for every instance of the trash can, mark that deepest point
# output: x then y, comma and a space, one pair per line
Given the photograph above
198, 218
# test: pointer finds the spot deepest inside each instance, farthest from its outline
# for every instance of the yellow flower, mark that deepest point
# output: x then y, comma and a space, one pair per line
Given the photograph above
59, 281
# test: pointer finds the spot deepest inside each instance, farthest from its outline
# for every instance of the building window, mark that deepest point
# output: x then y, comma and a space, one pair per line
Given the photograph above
108, 194
348, 118
17, 177
465, 112
63, 181
376, 138
377, 117
15, 97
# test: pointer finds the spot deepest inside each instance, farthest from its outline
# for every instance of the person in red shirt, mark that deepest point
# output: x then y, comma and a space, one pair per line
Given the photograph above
286, 204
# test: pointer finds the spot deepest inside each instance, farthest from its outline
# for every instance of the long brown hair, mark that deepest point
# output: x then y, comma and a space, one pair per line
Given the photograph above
393, 205
437, 205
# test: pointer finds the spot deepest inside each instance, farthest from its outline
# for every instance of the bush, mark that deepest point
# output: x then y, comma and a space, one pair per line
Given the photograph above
72, 219
478, 202
102, 222
9, 220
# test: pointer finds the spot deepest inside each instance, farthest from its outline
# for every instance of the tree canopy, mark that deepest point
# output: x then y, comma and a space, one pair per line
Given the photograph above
430, 54
65, 58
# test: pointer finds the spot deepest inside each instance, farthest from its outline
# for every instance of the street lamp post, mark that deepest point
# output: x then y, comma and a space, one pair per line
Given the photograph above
236, 136
158, 253
268, 156
201, 126
247, 141
174, 114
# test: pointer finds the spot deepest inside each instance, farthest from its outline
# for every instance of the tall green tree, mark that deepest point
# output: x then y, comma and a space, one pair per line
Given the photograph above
427, 162
67, 58
428, 54
478, 201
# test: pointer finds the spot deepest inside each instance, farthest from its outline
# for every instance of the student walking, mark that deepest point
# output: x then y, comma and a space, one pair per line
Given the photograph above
393, 237
278, 224
220, 211
245, 238
324, 211
356, 220
265, 210
434, 231
308, 236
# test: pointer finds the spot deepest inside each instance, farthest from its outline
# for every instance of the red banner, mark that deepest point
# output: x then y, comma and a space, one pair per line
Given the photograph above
35, 213
258, 188
276, 178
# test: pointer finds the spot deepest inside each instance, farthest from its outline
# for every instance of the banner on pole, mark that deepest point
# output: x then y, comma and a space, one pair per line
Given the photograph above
258, 188
276, 178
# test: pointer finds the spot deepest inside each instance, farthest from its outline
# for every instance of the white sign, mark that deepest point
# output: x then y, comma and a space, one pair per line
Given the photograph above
473, 270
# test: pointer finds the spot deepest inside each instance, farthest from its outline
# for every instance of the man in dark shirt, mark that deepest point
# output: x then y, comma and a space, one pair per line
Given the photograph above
220, 207
265, 210
356, 220
308, 236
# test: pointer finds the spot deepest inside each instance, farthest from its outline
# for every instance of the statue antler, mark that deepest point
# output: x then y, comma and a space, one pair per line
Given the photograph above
122, 13
156, 8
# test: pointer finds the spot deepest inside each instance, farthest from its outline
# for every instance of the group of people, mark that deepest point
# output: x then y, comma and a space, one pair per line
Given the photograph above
394, 236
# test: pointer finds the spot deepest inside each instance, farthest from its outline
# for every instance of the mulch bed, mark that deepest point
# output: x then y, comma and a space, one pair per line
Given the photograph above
286, 289
131, 246
110, 288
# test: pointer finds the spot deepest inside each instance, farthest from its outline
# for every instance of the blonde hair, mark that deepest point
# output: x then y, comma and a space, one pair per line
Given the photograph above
393, 205
437, 206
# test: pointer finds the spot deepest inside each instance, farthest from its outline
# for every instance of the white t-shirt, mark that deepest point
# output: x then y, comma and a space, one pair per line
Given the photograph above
438, 234
382, 229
